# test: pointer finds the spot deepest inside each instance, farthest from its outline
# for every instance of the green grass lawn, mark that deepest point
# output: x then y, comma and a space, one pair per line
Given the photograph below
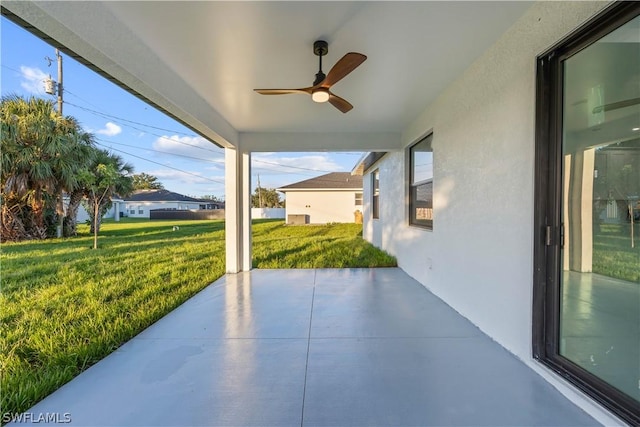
613, 255
66, 306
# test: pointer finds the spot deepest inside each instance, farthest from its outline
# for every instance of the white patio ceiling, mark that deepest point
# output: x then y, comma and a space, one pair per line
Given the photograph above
200, 61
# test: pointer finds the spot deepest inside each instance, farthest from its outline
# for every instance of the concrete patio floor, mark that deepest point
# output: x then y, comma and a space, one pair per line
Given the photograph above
330, 347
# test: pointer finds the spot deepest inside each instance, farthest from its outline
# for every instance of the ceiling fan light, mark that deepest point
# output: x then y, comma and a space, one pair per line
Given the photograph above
320, 95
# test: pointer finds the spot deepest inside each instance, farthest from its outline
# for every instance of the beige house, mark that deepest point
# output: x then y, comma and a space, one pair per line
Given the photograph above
334, 197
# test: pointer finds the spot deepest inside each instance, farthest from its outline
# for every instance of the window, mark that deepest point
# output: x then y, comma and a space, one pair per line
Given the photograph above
140, 210
132, 211
587, 193
358, 199
421, 183
375, 193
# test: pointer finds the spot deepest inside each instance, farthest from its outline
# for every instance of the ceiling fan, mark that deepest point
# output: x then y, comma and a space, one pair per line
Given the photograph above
320, 90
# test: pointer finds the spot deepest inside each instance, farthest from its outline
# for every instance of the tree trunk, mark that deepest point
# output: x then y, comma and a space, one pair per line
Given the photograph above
96, 215
60, 214
37, 206
71, 219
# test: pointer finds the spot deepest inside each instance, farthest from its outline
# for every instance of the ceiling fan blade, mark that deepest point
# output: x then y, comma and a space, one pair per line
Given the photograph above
306, 90
344, 66
340, 103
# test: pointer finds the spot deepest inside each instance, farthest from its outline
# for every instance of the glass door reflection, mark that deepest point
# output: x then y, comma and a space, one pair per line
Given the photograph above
600, 278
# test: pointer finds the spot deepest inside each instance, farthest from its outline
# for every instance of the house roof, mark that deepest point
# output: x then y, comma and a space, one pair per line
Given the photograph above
366, 161
333, 181
159, 196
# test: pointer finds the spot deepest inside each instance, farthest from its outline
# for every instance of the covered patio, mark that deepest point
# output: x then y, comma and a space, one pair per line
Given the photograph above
328, 347
369, 347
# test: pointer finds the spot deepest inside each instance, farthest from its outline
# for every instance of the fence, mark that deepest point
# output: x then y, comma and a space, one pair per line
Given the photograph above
190, 214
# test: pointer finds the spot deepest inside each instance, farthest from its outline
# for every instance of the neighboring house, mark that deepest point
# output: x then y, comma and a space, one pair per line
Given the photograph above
116, 211
334, 197
141, 202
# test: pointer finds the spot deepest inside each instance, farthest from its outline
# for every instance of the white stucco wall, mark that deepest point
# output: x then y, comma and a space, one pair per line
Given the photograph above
268, 213
83, 215
323, 206
479, 256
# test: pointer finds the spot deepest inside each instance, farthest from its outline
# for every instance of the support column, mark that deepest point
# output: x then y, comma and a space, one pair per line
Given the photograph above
237, 210
580, 206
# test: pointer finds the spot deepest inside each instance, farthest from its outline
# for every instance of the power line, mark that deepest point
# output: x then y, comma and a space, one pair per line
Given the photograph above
9, 68
110, 116
190, 135
80, 98
159, 151
146, 131
160, 164
293, 167
185, 156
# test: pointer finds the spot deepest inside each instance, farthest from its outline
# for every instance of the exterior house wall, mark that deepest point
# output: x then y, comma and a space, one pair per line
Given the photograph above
132, 209
83, 215
323, 206
268, 213
479, 256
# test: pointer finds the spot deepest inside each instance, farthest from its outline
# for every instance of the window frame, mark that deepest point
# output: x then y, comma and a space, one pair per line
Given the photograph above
548, 211
426, 224
375, 194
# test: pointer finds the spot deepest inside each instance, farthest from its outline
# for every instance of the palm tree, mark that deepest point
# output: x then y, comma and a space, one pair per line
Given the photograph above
79, 154
42, 154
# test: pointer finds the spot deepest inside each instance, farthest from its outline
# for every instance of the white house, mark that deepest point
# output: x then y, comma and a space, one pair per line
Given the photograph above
492, 118
141, 202
334, 197
116, 211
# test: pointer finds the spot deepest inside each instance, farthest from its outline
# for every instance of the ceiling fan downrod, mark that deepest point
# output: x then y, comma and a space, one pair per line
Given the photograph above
320, 48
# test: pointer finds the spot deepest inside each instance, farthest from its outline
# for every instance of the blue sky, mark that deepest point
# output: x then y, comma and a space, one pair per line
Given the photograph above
152, 142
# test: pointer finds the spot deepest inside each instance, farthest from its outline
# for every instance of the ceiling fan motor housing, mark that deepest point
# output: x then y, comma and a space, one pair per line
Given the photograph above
320, 47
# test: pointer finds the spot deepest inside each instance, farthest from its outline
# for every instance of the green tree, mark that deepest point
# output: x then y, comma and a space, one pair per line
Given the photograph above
144, 181
213, 198
42, 154
109, 175
265, 198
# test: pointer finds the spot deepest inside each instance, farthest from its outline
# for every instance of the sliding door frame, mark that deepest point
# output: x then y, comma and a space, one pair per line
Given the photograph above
548, 235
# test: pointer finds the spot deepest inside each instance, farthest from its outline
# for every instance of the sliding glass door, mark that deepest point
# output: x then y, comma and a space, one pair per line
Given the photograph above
590, 248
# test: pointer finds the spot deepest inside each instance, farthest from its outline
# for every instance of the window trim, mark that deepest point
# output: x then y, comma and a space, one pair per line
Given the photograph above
548, 211
375, 194
413, 222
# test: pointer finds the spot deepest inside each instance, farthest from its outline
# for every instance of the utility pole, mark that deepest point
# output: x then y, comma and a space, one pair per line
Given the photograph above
52, 88
60, 87
259, 193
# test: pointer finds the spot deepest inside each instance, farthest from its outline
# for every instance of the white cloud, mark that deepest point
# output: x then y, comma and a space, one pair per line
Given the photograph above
32, 80
307, 164
192, 146
110, 129
187, 177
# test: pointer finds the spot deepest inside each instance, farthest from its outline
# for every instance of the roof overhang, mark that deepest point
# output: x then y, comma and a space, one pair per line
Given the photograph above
199, 61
